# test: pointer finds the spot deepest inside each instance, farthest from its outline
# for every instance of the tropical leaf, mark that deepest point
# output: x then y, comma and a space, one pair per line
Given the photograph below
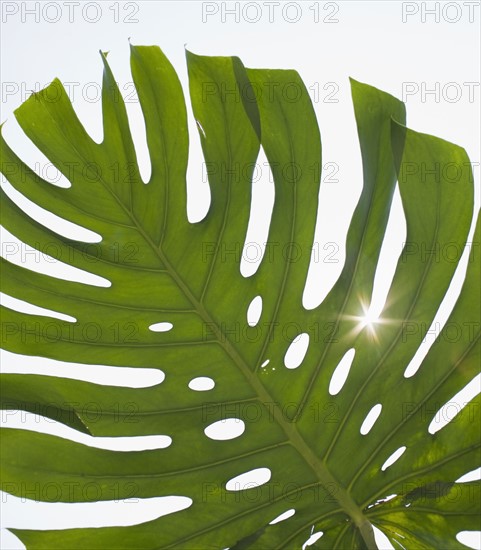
304, 434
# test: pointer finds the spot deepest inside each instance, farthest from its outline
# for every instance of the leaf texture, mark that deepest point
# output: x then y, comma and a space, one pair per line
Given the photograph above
161, 268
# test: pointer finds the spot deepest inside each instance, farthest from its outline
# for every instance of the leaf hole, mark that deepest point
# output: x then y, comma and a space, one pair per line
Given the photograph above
161, 327
198, 189
223, 430
262, 203
282, 517
249, 480
382, 500
471, 539
396, 455
296, 351
450, 410
370, 419
254, 311
381, 539
312, 539
341, 372
473, 475
202, 383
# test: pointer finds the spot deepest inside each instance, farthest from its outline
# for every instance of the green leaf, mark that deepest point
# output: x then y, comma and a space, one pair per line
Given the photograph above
161, 268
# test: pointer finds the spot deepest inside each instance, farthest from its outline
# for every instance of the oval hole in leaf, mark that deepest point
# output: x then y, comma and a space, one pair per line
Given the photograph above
286, 515
473, 475
448, 412
312, 539
296, 351
201, 383
249, 480
254, 311
265, 363
161, 327
370, 419
339, 376
226, 429
471, 539
393, 458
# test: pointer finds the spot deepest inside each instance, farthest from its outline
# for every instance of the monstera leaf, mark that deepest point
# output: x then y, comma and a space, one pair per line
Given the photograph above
301, 435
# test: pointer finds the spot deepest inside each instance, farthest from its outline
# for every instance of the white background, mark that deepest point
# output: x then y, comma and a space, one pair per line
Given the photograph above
395, 46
